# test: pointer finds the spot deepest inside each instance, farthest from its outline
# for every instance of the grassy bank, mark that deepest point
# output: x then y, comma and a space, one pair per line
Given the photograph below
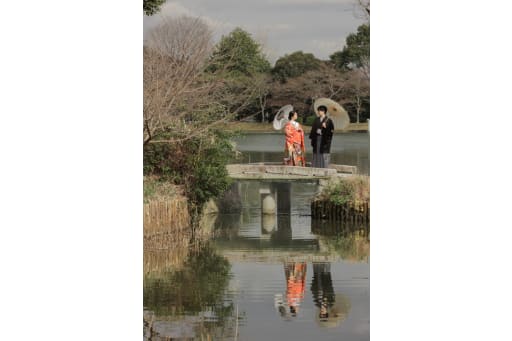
346, 200
354, 190
258, 127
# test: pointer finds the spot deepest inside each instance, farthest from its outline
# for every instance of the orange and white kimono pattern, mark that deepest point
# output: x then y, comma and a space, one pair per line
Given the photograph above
295, 151
295, 284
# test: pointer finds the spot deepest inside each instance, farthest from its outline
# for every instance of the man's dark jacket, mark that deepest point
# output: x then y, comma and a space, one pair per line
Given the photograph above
327, 132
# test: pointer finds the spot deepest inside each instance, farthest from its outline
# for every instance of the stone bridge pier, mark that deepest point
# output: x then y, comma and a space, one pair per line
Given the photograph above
275, 200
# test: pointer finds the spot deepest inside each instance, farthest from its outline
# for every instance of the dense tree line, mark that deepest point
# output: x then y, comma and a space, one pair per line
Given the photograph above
298, 78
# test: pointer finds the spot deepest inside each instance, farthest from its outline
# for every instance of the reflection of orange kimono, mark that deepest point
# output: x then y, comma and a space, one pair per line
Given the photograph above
295, 283
295, 151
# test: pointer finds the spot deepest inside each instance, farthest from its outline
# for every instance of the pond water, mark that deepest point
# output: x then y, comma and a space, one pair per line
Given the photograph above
346, 149
265, 277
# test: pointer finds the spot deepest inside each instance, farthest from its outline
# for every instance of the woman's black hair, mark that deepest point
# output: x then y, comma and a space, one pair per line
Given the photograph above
290, 115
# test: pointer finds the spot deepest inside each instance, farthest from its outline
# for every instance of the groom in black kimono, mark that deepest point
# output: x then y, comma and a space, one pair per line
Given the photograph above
321, 137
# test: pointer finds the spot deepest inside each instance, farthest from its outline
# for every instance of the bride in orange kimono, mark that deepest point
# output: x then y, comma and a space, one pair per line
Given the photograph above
295, 151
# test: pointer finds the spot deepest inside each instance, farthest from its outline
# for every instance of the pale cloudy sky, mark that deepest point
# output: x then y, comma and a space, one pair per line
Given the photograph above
284, 26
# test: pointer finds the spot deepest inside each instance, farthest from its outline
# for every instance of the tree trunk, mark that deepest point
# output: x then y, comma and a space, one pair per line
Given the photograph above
262, 105
358, 107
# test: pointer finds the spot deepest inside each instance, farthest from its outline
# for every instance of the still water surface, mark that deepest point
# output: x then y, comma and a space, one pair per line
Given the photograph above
282, 277
346, 149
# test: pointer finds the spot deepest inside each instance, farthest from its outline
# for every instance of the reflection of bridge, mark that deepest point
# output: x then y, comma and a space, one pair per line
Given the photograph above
276, 249
255, 250
273, 256
275, 234
284, 239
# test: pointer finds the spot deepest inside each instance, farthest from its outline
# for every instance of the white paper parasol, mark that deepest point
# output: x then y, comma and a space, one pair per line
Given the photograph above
281, 117
335, 111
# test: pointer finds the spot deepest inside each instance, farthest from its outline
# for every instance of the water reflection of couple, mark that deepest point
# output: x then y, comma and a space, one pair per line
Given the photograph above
331, 308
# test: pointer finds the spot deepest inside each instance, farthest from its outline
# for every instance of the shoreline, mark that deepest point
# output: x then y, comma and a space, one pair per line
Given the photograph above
267, 128
278, 132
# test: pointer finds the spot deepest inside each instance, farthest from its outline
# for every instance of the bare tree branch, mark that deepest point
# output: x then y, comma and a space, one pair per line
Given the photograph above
364, 6
188, 89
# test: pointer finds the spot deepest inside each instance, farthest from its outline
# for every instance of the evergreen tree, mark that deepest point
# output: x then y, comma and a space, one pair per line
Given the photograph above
239, 54
152, 6
356, 50
294, 65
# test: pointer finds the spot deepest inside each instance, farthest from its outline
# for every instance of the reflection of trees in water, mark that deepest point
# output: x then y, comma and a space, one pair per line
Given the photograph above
350, 242
161, 261
230, 201
197, 289
227, 225
166, 251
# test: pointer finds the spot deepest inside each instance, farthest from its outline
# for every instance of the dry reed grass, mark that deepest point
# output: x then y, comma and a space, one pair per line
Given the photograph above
166, 232
162, 216
166, 235
361, 185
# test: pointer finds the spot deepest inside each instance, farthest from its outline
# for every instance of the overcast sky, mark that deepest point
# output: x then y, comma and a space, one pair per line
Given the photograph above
283, 26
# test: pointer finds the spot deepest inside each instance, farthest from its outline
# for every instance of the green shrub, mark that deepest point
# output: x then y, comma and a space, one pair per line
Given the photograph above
352, 190
206, 169
198, 164
309, 120
149, 190
294, 65
342, 193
